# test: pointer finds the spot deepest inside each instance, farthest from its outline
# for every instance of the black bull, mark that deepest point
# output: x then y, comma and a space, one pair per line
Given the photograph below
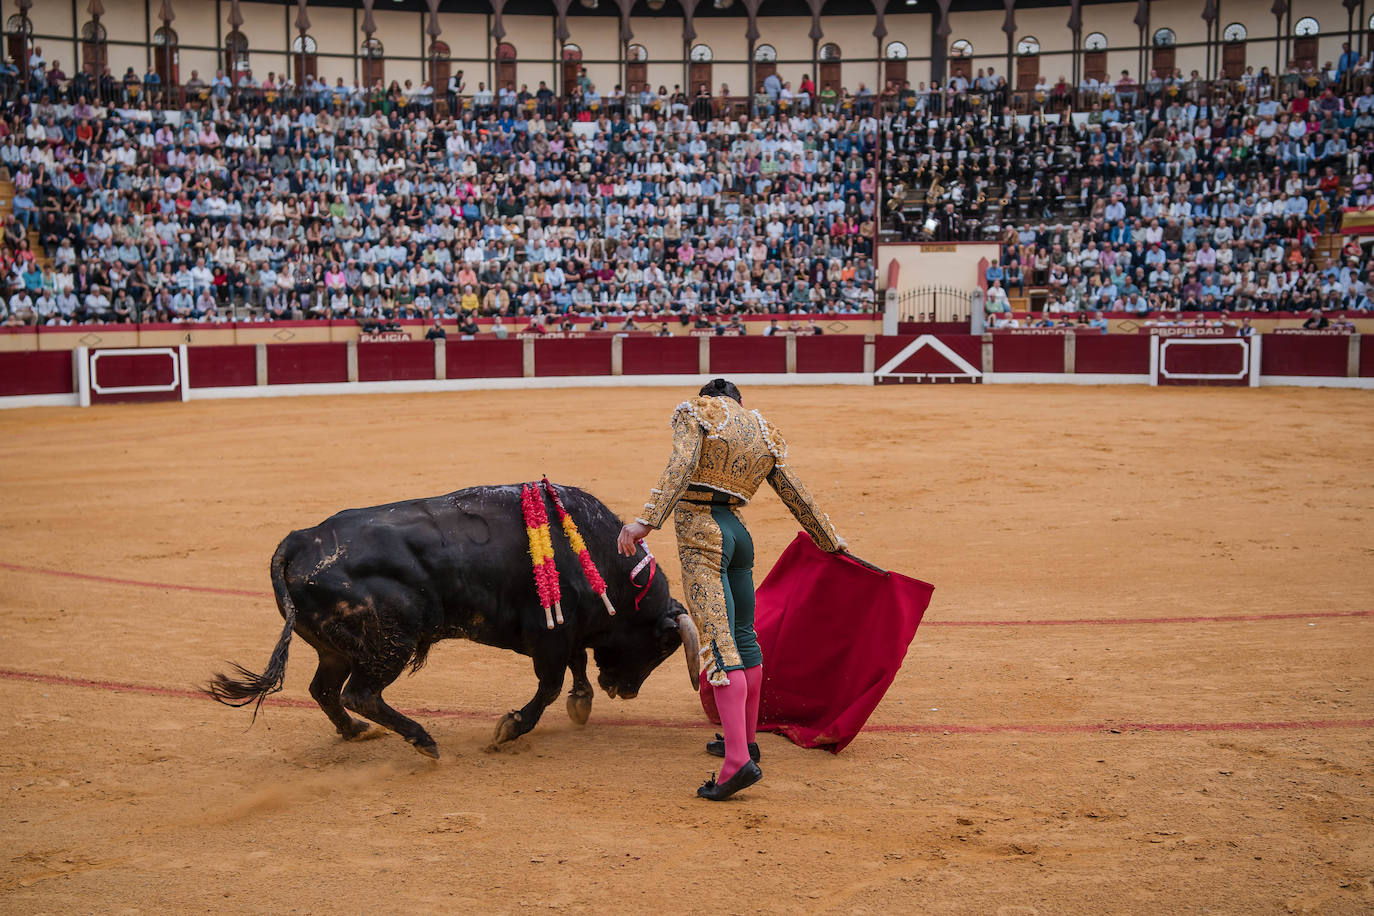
373, 589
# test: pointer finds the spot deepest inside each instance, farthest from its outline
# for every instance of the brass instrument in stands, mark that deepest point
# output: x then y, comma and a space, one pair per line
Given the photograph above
897, 198
935, 191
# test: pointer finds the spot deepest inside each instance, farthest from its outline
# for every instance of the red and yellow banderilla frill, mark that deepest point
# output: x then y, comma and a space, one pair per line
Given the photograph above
589, 570
541, 553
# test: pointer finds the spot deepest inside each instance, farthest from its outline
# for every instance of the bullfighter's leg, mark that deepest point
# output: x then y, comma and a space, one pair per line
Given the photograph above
363, 695
736, 560
701, 550
329, 680
549, 668
739, 601
580, 697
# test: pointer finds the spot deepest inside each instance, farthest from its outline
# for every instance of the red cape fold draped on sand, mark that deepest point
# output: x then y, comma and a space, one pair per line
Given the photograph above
834, 632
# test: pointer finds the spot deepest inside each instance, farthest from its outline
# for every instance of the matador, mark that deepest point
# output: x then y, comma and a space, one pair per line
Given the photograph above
721, 454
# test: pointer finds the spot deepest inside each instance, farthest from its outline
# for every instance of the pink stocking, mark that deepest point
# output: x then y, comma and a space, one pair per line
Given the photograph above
753, 679
730, 703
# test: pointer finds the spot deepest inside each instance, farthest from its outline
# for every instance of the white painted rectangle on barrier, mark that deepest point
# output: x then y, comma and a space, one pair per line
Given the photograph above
133, 373
1205, 359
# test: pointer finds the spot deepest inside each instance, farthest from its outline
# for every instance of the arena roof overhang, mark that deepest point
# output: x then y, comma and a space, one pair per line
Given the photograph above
705, 9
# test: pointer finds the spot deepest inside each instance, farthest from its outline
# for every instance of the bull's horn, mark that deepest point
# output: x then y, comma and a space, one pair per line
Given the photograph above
691, 646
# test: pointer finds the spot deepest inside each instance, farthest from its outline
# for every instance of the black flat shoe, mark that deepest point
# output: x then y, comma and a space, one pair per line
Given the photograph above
716, 748
744, 777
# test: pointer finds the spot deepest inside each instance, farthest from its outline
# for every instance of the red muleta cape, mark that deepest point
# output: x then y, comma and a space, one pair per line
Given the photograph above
834, 632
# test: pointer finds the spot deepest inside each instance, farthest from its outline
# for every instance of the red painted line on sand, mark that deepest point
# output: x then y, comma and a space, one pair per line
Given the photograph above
139, 583
1136, 621
57, 680
1069, 728
1077, 622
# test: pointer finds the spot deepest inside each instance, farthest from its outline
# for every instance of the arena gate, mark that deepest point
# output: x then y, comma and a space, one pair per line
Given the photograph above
942, 304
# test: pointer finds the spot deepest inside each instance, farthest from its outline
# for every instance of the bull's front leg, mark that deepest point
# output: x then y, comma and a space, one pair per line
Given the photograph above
580, 697
548, 667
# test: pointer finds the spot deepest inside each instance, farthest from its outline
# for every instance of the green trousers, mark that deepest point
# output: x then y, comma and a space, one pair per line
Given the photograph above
717, 557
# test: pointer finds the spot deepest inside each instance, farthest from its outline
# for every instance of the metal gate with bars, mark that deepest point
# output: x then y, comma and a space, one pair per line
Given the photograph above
934, 303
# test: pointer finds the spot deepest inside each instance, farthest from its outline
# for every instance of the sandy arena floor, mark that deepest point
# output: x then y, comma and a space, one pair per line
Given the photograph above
1082, 768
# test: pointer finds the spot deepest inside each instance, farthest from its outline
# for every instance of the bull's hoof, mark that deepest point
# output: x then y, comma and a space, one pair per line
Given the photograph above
508, 729
364, 731
353, 729
579, 707
428, 748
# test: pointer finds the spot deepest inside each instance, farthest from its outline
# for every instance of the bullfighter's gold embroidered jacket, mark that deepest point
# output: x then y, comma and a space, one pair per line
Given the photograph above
720, 446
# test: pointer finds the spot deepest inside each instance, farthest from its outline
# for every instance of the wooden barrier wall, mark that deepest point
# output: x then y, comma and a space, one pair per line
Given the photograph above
196, 334
185, 372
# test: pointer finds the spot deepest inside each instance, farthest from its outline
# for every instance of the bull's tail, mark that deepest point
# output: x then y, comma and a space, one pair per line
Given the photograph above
248, 687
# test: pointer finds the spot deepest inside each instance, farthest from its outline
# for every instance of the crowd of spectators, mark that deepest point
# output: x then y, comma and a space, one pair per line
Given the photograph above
988, 89
236, 204
330, 202
1163, 197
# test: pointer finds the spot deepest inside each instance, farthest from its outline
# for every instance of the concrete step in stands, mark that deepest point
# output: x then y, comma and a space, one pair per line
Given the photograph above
39, 254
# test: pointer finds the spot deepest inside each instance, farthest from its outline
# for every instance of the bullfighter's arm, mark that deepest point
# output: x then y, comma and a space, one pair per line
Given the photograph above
686, 447
796, 497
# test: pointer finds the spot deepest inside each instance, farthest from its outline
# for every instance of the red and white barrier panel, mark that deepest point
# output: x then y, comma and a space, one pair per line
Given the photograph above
1052, 357
1205, 361
97, 376
548, 362
38, 378
132, 374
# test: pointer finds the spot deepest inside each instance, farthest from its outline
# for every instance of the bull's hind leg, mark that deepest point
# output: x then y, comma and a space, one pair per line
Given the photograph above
329, 680
363, 695
580, 697
550, 673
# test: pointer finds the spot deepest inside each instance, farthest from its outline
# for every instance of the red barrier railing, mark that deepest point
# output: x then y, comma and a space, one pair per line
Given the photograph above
35, 372
1308, 356
170, 372
221, 367
305, 363
660, 356
1112, 354
484, 359
1028, 354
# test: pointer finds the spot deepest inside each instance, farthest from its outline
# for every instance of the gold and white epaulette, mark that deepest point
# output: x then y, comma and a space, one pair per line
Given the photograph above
777, 445
711, 413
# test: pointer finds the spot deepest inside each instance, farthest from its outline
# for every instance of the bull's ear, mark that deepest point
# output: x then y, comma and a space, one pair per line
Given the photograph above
668, 625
